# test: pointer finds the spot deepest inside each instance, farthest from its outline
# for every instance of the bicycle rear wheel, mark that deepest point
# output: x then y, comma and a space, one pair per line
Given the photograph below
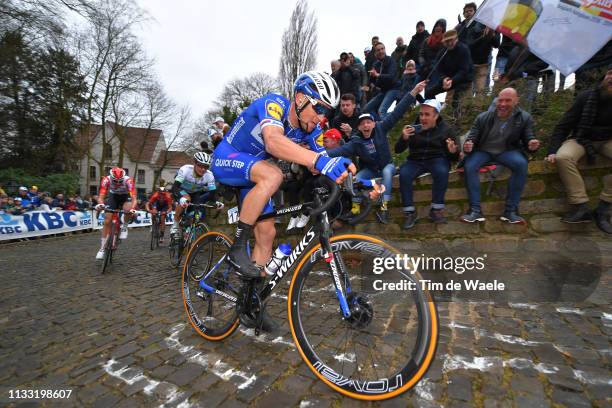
386, 345
210, 287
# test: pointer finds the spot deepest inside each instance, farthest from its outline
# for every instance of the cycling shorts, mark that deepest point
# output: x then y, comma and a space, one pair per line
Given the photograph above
116, 201
233, 168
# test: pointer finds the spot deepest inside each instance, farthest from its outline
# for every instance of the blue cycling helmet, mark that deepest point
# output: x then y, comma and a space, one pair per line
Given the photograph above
318, 85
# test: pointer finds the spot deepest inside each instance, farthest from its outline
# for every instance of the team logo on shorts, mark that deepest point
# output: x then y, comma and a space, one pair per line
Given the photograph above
274, 109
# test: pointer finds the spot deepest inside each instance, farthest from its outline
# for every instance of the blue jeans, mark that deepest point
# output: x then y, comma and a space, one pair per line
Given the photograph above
387, 175
380, 103
512, 159
411, 169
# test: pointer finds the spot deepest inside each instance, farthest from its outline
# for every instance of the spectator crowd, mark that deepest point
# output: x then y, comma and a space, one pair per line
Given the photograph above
31, 199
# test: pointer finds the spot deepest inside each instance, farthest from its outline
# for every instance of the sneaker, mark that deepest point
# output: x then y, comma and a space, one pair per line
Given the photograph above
161, 239
437, 216
383, 216
409, 220
512, 217
267, 324
100, 254
473, 216
124, 233
579, 213
292, 223
302, 221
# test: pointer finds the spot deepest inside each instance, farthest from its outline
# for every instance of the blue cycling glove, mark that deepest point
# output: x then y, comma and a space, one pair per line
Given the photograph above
332, 167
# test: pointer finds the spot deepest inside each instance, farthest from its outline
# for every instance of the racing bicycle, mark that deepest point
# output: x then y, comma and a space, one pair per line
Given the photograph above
155, 223
112, 241
192, 226
356, 335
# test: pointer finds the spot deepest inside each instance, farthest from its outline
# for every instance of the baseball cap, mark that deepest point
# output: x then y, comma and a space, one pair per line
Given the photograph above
23, 188
364, 116
333, 134
17, 199
219, 119
367, 49
434, 104
34, 188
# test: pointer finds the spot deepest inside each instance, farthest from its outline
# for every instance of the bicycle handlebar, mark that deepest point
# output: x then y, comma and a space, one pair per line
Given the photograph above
354, 188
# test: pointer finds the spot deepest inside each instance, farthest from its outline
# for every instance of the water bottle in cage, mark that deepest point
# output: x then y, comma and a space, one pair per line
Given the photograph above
275, 262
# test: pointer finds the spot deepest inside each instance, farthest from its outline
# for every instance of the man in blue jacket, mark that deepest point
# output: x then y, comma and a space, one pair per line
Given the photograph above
383, 75
371, 145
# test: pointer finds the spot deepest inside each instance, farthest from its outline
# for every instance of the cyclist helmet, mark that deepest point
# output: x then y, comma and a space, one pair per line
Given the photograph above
202, 158
319, 86
117, 173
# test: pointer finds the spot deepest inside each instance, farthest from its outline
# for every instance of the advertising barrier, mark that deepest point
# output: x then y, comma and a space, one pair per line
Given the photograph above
38, 223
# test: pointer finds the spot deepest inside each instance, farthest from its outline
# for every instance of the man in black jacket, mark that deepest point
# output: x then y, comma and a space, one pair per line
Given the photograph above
454, 70
432, 145
481, 40
347, 118
499, 135
347, 77
416, 42
585, 129
383, 75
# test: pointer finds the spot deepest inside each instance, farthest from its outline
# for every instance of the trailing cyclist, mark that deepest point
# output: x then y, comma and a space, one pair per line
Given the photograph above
194, 183
122, 196
160, 202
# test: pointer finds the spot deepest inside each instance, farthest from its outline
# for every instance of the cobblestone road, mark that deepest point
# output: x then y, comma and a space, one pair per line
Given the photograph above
122, 339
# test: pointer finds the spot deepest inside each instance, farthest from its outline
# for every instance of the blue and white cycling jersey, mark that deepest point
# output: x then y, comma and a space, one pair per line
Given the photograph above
191, 183
243, 145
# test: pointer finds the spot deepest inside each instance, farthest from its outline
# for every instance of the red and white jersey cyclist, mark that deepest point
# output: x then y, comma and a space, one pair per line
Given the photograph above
117, 192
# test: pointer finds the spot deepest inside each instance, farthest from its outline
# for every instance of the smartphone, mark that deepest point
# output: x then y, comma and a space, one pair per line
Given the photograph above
417, 128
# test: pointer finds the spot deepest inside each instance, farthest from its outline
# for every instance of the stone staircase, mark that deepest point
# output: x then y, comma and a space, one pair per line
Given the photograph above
542, 203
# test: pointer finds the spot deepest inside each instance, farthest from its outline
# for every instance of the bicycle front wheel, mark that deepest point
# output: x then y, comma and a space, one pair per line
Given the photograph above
386, 344
154, 235
210, 287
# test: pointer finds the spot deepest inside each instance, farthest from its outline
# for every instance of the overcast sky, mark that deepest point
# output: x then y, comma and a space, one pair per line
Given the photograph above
199, 46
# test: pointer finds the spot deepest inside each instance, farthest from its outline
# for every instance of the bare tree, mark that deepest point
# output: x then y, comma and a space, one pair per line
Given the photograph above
157, 113
178, 140
299, 46
236, 95
107, 58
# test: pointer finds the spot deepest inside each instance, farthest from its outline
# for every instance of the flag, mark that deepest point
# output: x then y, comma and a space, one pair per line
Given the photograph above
563, 33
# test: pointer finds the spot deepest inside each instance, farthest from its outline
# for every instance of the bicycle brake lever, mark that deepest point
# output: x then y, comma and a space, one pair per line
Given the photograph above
348, 184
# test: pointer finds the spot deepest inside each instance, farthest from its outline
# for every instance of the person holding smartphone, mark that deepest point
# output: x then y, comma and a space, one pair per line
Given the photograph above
433, 145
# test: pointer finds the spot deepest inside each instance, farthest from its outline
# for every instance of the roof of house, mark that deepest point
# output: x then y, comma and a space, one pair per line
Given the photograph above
140, 143
173, 158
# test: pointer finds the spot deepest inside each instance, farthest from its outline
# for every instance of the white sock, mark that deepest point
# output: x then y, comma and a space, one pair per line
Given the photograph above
102, 243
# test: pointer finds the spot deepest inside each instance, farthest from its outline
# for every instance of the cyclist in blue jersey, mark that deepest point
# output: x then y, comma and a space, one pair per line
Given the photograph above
274, 126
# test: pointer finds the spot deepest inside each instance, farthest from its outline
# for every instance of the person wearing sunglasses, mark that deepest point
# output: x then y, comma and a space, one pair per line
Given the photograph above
274, 126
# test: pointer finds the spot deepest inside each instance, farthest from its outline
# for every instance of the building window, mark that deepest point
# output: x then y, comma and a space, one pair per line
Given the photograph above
140, 179
93, 190
107, 151
127, 171
107, 171
141, 193
92, 172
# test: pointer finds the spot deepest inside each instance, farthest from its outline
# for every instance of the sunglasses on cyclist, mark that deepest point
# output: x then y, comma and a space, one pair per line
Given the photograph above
201, 165
318, 107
